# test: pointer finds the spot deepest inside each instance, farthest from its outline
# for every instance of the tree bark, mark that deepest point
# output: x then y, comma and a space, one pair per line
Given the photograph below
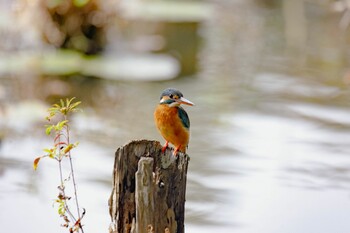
149, 189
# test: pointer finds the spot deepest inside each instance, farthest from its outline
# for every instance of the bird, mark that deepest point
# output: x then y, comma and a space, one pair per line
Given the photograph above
172, 120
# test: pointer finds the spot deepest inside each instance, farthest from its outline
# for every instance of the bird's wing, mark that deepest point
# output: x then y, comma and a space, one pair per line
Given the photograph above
184, 117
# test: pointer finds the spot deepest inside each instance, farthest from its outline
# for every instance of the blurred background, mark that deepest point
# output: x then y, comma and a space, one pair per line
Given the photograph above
270, 132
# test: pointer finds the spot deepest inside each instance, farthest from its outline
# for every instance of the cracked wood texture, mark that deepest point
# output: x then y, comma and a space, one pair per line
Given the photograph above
149, 188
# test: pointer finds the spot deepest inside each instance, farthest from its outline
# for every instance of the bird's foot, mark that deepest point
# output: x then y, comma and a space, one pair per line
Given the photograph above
165, 146
176, 150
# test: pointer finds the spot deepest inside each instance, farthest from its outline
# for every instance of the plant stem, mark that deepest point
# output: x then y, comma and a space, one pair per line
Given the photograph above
73, 177
63, 188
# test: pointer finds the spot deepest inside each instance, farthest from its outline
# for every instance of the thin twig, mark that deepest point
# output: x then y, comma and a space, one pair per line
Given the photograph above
63, 189
73, 177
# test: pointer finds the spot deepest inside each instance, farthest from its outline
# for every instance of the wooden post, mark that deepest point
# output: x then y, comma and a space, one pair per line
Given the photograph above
144, 195
149, 189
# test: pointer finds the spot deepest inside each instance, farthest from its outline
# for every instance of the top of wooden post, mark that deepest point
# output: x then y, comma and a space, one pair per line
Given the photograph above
147, 182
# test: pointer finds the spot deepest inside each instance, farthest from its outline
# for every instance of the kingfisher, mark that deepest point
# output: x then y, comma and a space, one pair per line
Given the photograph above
172, 120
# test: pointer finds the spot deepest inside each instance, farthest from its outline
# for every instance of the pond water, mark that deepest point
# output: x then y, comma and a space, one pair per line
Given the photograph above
270, 132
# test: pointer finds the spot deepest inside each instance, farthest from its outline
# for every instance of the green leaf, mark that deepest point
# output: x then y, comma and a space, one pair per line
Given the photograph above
68, 101
56, 106
69, 147
73, 107
50, 152
61, 207
62, 103
49, 129
59, 126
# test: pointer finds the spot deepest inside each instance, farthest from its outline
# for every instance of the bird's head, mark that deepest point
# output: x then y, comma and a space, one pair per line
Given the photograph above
173, 98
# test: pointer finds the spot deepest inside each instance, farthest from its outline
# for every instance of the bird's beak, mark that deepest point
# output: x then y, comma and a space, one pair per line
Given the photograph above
183, 100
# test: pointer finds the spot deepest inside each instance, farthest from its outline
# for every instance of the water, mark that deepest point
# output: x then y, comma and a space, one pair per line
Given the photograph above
269, 133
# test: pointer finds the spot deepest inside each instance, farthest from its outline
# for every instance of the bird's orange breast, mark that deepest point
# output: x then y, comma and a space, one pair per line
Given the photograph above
170, 126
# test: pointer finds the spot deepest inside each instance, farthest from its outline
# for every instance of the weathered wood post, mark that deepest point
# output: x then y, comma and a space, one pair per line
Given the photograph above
149, 189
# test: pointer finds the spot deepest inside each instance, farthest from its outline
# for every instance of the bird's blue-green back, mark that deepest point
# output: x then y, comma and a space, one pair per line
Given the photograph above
184, 117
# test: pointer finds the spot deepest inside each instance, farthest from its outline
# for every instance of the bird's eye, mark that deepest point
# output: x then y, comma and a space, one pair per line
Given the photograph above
171, 96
